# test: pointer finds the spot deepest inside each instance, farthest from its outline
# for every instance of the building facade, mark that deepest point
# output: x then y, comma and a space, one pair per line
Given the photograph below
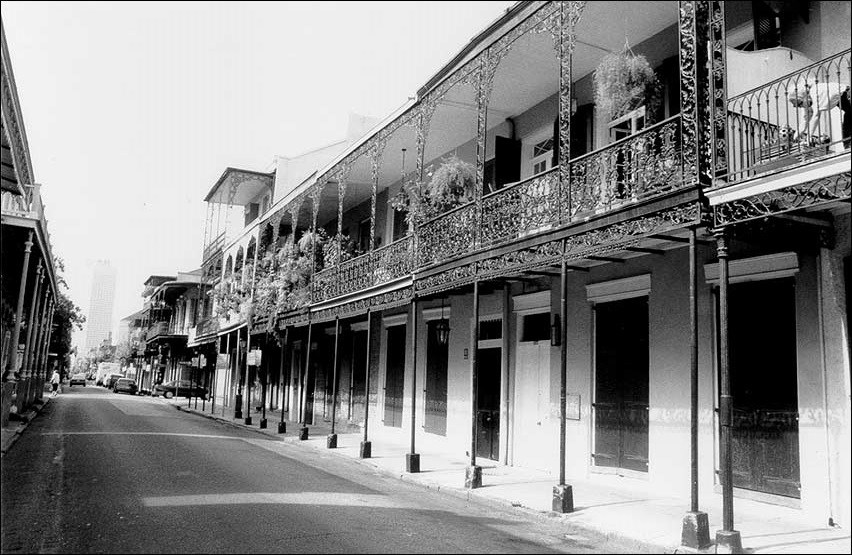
29, 281
527, 265
101, 301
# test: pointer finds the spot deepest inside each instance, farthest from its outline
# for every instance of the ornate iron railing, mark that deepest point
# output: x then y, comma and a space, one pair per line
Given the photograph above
790, 120
643, 165
373, 268
215, 247
207, 326
157, 329
631, 169
448, 235
520, 209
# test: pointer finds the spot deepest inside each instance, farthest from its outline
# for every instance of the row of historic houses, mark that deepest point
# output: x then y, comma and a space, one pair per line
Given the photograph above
29, 293
535, 264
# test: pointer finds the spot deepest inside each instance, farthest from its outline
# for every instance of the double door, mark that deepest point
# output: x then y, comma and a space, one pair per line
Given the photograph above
621, 384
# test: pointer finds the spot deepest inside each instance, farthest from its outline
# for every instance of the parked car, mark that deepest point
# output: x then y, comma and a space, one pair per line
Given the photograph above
184, 387
125, 385
110, 382
77, 379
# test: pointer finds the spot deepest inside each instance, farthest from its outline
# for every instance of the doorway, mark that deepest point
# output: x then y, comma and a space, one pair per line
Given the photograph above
394, 375
437, 356
762, 341
621, 384
488, 366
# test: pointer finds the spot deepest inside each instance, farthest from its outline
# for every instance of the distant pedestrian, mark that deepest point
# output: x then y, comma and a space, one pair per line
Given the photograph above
54, 383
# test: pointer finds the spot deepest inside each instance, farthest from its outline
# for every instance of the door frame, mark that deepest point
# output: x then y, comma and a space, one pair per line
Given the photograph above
390, 321
756, 268
609, 291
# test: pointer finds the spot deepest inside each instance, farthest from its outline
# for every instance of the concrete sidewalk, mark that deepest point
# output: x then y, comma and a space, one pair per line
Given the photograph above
17, 424
628, 513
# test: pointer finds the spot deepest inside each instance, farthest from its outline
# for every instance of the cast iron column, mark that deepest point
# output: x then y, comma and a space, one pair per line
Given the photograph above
247, 395
696, 527
366, 447
412, 459
563, 494
473, 473
11, 367
264, 385
238, 396
25, 385
303, 431
727, 539
282, 426
331, 440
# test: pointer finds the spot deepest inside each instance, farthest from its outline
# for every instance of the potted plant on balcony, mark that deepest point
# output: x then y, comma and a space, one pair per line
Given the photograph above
625, 83
451, 185
332, 256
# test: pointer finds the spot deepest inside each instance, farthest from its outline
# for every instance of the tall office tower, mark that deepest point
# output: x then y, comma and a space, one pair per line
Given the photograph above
99, 321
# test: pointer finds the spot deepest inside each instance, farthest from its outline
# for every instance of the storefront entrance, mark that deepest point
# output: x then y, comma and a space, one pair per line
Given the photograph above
762, 339
394, 375
488, 365
621, 384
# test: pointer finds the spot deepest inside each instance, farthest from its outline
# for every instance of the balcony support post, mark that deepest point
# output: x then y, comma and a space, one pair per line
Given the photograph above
238, 397
719, 91
41, 332
563, 494
46, 355
473, 473
247, 395
366, 446
303, 394
695, 91
728, 540
331, 440
22, 400
568, 17
375, 164
695, 533
285, 385
412, 458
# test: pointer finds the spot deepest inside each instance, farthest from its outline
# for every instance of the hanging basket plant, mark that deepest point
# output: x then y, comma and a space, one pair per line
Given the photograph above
625, 81
451, 185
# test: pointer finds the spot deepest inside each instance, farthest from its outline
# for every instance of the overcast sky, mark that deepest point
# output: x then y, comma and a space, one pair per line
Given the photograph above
133, 110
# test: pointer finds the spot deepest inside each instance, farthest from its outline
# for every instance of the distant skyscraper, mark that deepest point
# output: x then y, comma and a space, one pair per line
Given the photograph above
99, 321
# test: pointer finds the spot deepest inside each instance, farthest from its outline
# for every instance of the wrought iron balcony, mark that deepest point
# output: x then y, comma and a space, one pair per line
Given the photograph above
380, 266
156, 329
789, 121
214, 247
632, 169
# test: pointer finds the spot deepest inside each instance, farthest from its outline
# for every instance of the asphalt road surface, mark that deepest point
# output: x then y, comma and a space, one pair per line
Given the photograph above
100, 472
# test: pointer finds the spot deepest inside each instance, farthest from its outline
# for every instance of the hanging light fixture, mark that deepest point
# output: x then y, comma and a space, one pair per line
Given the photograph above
442, 329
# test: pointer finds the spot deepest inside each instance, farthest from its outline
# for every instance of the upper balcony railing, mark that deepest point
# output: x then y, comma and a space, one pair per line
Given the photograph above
157, 329
791, 120
379, 266
632, 169
207, 326
213, 247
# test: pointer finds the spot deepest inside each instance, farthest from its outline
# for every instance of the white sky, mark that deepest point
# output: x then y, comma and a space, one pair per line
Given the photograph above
133, 110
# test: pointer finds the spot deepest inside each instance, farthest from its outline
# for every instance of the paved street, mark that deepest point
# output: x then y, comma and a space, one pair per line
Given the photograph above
101, 472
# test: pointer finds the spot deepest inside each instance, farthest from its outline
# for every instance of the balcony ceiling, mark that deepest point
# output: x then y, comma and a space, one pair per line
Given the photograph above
249, 184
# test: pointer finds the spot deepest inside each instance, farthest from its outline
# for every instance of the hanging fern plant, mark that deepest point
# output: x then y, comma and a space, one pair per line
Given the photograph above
625, 81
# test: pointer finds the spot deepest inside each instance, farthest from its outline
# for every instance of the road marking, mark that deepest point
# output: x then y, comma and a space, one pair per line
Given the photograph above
137, 434
313, 498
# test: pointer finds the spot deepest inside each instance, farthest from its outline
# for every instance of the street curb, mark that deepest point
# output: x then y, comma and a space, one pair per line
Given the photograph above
624, 541
24, 423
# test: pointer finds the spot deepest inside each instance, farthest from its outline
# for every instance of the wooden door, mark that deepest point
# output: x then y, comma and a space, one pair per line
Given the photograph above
394, 375
488, 366
762, 339
359, 375
436, 382
621, 384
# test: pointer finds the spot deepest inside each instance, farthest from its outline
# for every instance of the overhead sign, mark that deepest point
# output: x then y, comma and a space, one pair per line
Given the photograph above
254, 357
